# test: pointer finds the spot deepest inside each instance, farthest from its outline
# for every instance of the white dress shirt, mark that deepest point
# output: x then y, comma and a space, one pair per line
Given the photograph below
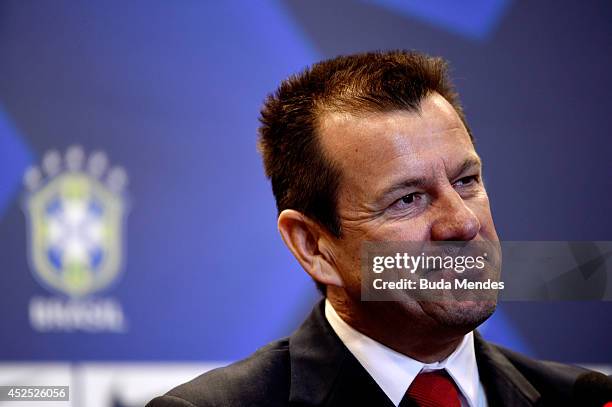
394, 372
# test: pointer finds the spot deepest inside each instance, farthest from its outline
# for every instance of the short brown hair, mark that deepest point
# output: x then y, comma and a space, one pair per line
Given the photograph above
302, 177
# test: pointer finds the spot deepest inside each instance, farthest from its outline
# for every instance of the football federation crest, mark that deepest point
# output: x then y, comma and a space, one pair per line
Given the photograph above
75, 208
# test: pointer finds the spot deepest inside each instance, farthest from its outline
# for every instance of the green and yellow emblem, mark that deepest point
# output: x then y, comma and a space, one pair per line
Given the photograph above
75, 211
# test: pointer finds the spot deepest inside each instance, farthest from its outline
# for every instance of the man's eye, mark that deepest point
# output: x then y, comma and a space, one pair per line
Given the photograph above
472, 179
406, 201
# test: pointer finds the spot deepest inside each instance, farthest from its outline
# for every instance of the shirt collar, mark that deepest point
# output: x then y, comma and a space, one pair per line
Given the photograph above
394, 371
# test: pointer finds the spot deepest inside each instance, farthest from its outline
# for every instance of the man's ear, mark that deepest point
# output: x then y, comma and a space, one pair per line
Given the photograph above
307, 241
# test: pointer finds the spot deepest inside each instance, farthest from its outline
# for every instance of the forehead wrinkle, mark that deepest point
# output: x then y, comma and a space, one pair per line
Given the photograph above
438, 171
418, 158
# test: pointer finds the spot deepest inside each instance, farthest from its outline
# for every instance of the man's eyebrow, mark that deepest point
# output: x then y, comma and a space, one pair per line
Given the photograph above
466, 165
405, 184
420, 182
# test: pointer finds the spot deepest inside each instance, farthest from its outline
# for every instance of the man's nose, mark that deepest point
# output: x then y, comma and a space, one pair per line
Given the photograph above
453, 219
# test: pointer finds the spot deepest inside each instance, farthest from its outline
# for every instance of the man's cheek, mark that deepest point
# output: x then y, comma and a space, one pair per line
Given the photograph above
411, 230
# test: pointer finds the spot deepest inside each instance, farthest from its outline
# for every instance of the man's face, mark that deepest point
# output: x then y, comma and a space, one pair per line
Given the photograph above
407, 176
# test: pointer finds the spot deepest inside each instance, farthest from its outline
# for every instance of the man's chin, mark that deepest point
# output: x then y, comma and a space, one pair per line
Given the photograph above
459, 315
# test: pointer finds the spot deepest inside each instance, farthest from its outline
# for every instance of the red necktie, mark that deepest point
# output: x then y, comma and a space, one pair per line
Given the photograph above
434, 389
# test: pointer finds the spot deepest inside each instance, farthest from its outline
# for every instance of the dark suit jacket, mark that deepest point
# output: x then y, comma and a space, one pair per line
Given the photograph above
313, 368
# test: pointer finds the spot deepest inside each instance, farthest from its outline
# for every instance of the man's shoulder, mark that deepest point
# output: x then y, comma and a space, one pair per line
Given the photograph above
558, 383
260, 379
543, 373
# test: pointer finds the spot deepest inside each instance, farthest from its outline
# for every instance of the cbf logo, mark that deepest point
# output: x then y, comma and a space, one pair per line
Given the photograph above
75, 207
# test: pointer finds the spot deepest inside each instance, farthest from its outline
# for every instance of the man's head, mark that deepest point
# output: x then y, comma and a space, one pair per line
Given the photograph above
372, 147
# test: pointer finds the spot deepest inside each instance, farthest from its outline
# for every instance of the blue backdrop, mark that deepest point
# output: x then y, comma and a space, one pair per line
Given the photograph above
171, 92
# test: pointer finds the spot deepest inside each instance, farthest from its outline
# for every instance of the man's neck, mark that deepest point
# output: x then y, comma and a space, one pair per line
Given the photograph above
418, 340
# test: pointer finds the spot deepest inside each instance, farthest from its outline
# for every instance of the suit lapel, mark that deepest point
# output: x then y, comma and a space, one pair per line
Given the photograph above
503, 383
355, 387
324, 372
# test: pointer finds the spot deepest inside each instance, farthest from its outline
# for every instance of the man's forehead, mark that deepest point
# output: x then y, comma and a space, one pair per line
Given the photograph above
435, 131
